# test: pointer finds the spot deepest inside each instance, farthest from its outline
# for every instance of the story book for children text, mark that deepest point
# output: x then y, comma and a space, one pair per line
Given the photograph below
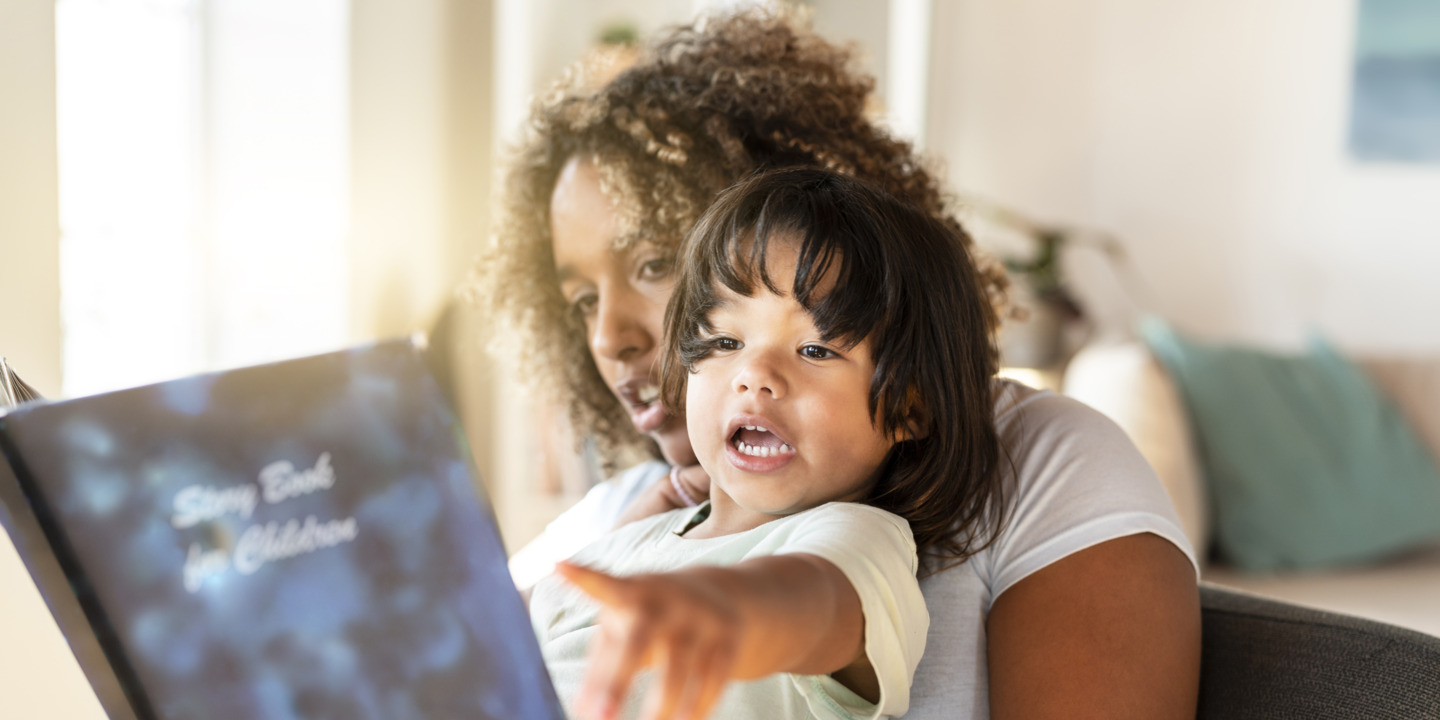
295, 540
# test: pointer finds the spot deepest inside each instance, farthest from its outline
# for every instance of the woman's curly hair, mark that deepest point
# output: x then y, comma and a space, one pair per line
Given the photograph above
705, 106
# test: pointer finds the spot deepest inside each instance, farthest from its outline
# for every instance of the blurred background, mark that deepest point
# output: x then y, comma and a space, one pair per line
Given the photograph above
189, 185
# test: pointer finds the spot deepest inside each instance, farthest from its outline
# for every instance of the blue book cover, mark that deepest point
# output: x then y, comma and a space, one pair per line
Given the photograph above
296, 540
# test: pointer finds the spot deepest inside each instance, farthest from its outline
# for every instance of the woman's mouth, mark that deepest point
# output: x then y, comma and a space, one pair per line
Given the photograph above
642, 400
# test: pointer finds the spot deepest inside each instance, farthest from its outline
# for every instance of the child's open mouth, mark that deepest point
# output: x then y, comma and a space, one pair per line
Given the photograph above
757, 441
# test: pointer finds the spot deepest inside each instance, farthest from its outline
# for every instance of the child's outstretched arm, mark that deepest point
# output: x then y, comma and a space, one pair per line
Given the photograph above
704, 626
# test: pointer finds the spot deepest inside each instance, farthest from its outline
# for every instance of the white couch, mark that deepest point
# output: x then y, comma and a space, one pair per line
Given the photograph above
1125, 382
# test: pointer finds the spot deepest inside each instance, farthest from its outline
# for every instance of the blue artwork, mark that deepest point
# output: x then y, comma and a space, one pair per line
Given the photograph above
1395, 109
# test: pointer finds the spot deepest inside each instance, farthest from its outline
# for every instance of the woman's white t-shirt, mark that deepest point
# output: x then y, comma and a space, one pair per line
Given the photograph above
1078, 481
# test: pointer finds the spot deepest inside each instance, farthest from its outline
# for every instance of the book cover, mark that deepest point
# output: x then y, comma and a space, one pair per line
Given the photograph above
296, 540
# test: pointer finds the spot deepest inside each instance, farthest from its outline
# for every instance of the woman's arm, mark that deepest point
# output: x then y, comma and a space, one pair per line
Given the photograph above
1112, 631
701, 627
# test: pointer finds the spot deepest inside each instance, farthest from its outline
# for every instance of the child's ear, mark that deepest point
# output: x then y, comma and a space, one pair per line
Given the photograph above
917, 420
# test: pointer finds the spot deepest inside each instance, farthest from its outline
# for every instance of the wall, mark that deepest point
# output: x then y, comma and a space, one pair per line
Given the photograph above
29, 204
38, 675
420, 157
1210, 138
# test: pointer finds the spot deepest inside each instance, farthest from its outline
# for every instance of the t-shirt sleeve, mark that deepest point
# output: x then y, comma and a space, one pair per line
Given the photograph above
585, 522
1079, 482
876, 552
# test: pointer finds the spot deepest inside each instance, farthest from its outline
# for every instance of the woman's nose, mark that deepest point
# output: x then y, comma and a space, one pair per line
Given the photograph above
617, 332
761, 376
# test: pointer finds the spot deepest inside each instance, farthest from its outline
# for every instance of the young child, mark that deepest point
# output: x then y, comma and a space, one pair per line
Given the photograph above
831, 348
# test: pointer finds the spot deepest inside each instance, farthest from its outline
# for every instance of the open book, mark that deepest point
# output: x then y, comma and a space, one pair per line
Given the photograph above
13, 390
290, 541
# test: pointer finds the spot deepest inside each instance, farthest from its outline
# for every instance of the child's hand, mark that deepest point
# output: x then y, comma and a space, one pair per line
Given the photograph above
678, 623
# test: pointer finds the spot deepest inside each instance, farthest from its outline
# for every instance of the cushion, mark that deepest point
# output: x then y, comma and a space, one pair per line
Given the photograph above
1308, 464
1413, 384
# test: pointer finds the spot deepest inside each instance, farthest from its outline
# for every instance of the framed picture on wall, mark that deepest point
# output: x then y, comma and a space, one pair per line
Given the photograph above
1395, 104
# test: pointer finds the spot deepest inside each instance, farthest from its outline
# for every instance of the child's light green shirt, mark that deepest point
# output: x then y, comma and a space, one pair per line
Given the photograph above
873, 548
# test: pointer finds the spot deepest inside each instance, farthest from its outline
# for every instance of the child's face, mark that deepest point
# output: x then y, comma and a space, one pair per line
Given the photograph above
770, 369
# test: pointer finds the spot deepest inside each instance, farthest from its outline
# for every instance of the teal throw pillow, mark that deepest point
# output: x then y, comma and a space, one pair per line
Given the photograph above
1308, 464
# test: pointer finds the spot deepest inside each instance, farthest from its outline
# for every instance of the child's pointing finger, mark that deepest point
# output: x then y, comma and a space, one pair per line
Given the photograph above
618, 650
598, 585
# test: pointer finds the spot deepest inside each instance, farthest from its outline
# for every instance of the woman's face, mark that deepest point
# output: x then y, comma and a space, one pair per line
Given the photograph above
621, 295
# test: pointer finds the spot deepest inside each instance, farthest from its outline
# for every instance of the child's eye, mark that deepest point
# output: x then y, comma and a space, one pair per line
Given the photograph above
817, 352
725, 343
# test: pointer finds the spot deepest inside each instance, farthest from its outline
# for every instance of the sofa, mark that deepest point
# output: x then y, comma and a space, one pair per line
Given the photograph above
1126, 382
1267, 660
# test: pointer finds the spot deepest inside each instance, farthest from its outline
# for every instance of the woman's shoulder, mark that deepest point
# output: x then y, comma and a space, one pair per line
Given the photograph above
1050, 440
1075, 479
1039, 413
1041, 429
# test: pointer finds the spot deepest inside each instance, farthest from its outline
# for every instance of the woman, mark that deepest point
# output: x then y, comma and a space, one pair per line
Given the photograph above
1083, 604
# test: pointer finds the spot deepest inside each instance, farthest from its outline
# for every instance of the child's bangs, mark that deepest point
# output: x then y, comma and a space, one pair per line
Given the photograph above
839, 273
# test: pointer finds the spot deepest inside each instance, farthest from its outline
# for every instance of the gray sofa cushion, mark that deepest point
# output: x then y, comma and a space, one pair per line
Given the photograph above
1267, 659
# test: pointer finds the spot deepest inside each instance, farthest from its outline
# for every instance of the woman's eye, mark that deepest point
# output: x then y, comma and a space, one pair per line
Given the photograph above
584, 304
816, 352
655, 268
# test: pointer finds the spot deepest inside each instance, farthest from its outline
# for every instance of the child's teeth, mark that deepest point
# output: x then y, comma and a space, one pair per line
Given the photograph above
762, 451
649, 393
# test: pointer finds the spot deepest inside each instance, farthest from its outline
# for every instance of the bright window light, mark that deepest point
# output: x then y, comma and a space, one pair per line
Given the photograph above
203, 184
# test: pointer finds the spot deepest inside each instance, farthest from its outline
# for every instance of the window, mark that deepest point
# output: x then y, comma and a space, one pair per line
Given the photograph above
203, 184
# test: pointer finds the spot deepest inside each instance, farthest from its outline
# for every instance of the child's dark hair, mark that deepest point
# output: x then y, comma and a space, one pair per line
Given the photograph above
872, 267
